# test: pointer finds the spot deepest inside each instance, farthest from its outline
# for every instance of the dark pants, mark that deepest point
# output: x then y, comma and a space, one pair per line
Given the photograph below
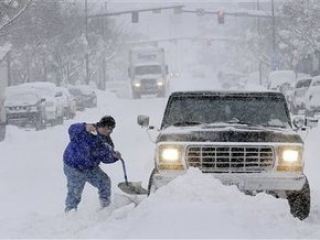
77, 179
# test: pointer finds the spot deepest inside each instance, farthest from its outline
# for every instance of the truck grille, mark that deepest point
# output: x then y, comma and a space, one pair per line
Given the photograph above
222, 159
149, 84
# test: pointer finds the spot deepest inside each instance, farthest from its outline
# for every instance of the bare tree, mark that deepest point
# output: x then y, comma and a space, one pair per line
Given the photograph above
10, 10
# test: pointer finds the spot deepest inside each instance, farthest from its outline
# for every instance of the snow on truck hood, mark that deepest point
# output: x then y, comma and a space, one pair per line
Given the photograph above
149, 76
234, 133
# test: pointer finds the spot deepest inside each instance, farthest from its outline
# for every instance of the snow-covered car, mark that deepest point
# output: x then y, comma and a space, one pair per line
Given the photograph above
25, 107
313, 98
242, 138
85, 96
3, 117
230, 79
4, 81
300, 93
53, 107
68, 101
283, 81
120, 88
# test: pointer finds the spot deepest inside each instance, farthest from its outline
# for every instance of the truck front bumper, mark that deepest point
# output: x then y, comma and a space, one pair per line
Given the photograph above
276, 181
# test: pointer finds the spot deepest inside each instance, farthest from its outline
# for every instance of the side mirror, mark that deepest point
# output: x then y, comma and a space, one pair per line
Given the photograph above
302, 123
298, 122
143, 121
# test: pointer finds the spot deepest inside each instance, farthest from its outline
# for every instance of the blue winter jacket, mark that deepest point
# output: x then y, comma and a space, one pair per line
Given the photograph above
86, 150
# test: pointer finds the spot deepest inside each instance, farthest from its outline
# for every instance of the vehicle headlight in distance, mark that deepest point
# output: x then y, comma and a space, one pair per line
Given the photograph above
160, 83
170, 157
136, 84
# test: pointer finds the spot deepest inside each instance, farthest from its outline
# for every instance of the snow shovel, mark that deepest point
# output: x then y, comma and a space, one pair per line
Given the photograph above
132, 188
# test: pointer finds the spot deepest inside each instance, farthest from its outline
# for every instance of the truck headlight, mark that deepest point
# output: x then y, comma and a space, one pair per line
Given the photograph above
290, 158
170, 154
160, 83
136, 84
170, 157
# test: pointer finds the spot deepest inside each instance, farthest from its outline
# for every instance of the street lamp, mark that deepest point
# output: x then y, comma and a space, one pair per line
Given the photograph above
87, 43
274, 59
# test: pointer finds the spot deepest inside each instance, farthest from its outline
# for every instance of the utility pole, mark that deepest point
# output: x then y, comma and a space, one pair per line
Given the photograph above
274, 58
104, 62
87, 42
258, 30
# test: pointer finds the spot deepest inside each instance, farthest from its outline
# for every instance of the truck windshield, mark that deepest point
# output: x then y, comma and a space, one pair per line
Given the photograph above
257, 111
150, 69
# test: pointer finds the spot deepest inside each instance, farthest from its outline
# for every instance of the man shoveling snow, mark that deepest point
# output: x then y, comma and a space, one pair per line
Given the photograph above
89, 145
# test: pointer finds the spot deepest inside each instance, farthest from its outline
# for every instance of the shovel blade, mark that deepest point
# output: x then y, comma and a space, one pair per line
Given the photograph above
133, 188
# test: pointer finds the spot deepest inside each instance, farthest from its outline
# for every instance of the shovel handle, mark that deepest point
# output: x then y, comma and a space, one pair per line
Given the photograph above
124, 170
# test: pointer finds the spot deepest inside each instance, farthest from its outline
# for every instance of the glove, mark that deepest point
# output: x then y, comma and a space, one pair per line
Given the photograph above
117, 155
90, 127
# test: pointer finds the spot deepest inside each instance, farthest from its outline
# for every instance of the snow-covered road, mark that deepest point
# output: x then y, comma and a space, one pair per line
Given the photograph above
32, 189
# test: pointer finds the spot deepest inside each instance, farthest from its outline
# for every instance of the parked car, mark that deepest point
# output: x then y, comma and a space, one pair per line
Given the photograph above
300, 93
25, 106
120, 88
53, 107
68, 102
283, 81
85, 96
313, 98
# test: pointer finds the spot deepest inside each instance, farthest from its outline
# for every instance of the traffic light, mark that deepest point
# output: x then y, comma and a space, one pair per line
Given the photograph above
135, 17
220, 15
177, 10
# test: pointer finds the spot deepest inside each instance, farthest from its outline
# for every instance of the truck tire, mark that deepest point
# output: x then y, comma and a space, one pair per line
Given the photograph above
60, 120
94, 103
39, 123
2, 132
135, 95
71, 115
299, 202
161, 94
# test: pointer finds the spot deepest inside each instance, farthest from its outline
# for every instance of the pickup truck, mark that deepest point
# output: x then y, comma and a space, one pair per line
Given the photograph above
243, 138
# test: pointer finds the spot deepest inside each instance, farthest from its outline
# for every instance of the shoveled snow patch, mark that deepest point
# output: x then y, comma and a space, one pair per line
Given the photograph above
196, 205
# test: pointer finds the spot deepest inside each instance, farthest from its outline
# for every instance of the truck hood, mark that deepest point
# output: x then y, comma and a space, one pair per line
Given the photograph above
149, 76
228, 134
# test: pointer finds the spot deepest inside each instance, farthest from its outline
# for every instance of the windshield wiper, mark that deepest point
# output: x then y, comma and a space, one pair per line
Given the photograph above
275, 126
186, 123
238, 121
